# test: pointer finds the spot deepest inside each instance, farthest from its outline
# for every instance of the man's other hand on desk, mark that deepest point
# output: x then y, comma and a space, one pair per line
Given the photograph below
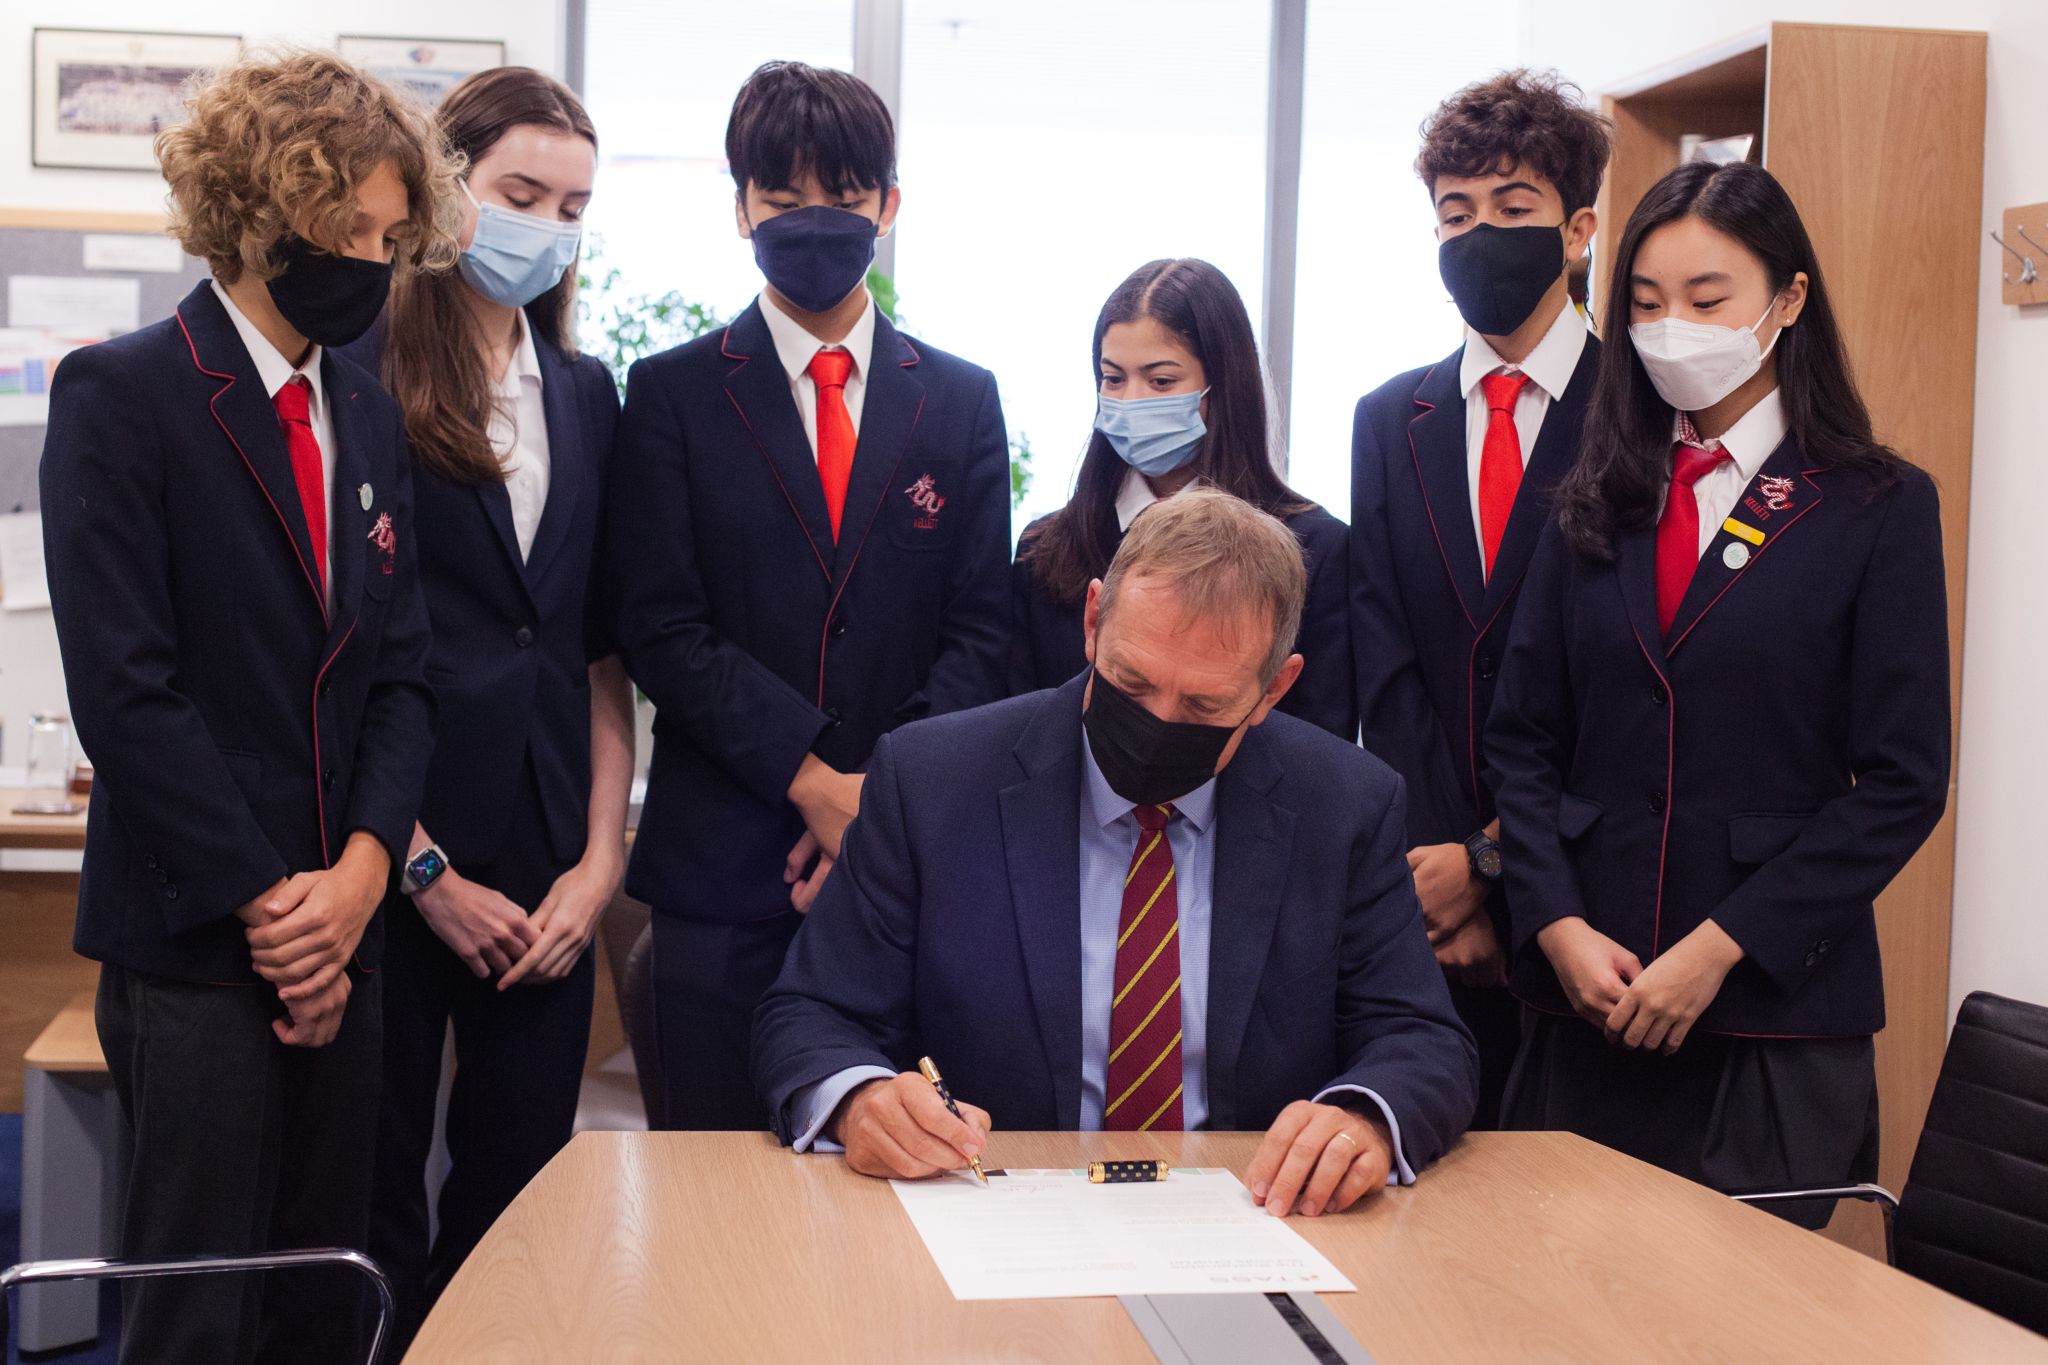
899, 1129
1319, 1158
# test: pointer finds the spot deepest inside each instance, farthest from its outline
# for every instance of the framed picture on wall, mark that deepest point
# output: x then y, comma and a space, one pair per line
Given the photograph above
428, 67
99, 97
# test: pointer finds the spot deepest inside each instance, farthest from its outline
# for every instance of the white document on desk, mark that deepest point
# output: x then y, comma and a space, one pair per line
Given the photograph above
1049, 1234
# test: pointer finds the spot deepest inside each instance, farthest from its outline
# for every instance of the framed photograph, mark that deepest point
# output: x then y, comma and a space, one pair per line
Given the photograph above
99, 97
427, 67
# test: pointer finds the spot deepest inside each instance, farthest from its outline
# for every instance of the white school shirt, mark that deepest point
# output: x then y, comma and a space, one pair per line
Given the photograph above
1748, 443
275, 372
519, 437
794, 347
1549, 368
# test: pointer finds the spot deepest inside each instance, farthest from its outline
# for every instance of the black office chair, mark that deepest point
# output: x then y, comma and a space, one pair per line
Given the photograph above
1974, 1215
108, 1268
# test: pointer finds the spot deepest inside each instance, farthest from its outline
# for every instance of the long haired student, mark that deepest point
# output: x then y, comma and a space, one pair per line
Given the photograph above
1181, 399
1723, 725
520, 842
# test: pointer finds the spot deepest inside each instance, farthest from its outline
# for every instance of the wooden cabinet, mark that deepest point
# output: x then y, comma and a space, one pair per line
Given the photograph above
1878, 135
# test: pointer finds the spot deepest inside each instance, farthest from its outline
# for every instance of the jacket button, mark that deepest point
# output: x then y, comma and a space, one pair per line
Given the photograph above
326, 687
1658, 694
833, 714
327, 779
151, 863
170, 893
163, 877
838, 626
1813, 959
523, 636
1656, 803
1487, 664
1823, 946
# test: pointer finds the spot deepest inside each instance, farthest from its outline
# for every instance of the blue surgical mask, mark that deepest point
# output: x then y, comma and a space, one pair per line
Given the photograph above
1154, 436
514, 257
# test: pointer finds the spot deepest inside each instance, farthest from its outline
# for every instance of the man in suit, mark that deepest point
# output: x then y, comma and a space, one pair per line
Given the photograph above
229, 529
1140, 900
1451, 471
810, 536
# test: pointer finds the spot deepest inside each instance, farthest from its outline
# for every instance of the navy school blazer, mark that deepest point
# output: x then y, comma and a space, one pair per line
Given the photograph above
1046, 646
238, 731
513, 639
759, 639
1771, 764
1428, 627
952, 924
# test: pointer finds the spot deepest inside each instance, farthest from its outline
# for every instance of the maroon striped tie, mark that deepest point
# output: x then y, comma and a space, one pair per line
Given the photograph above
1144, 1083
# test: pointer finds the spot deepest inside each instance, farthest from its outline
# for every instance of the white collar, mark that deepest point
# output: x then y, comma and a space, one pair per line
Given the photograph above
271, 367
1550, 365
795, 347
525, 363
1754, 436
1133, 497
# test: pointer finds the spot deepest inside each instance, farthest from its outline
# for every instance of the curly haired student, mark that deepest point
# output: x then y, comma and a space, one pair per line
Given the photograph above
229, 530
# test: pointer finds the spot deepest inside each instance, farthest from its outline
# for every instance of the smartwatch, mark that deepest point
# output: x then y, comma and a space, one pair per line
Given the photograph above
1484, 855
424, 869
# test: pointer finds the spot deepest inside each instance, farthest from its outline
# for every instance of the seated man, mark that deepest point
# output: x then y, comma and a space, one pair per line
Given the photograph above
1141, 900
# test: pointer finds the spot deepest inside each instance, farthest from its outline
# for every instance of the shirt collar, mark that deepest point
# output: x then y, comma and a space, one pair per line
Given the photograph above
525, 363
795, 347
1133, 497
271, 366
1750, 441
1550, 365
1198, 807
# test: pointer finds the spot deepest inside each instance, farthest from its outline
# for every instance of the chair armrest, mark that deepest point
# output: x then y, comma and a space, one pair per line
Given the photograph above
1887, 1202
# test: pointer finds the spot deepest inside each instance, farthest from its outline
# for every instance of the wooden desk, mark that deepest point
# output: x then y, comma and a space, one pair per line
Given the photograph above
39, 831
1517, 1247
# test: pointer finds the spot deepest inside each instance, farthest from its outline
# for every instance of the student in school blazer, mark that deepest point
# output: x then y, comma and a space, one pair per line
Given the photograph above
760, 641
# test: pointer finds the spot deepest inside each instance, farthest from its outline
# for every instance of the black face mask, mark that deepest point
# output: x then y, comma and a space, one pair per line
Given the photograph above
1498, 275
1148, 761
815, 256
329, 300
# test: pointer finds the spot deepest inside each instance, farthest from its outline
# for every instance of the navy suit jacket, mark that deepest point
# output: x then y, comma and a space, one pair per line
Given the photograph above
757, 638
1046, 645
1428, 626
1771, 763
952, 924
238, 732
513, 639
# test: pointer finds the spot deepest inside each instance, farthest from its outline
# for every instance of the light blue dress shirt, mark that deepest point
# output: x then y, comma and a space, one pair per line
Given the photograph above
1108, 837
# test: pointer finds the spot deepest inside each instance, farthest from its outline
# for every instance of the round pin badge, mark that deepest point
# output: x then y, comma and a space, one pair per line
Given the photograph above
365, 496
1736, 555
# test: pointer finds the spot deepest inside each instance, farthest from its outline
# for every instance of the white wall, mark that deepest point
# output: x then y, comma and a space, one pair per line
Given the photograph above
531, 30
2000, 930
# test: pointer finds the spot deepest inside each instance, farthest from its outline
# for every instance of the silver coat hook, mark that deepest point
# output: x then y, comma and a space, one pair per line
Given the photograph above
2028, 272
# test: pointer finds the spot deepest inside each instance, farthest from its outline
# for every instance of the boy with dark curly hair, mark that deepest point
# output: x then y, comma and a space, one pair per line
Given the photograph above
1451, 469
228, 525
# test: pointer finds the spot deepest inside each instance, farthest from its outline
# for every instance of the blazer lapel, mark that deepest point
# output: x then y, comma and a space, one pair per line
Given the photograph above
248, 419
1557, 446
1635, 569
349, 545
1254, 847
888, 419
759, 389
1042, 848
1779, 495
565, 460
1436, 441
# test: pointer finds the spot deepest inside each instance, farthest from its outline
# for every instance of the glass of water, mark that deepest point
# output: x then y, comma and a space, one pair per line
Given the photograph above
49, 764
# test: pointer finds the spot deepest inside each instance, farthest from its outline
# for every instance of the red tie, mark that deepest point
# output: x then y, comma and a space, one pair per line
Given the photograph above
1678, 530
1144, 1081
294, 414
828, 370
1500, 460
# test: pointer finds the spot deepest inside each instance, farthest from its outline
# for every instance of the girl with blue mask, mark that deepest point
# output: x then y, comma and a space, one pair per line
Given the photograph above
518, 845
1180, 399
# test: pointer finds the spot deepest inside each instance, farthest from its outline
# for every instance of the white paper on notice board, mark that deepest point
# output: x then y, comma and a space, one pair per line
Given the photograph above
74, 306
23, 585
133, 251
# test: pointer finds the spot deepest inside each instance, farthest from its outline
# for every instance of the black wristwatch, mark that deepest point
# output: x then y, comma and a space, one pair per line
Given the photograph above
1484, 855
424, 869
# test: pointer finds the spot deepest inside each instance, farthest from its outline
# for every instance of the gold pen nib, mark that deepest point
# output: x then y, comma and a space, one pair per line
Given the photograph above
975, 1162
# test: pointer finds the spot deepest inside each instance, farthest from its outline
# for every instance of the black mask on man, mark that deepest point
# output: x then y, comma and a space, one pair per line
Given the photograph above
329, 300
1498, 275
1148, 761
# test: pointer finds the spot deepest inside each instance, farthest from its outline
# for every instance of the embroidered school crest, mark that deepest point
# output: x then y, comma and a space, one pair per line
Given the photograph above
925, 498
1777, 493
385, 539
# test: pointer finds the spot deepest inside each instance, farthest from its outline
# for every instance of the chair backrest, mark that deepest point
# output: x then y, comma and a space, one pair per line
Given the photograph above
1973, 1218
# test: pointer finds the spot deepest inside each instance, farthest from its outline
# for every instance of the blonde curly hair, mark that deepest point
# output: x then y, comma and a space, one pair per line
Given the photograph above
279, 143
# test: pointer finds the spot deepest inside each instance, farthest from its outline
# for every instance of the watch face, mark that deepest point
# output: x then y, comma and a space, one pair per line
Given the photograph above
1489, 861
426, 867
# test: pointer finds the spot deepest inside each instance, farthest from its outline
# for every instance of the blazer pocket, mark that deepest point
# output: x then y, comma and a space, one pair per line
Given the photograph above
1759, 836
1576, 815
247, 770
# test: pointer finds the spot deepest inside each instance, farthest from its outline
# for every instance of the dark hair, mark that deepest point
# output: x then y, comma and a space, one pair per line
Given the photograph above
1625, 458
433, 346
1198, 304
1536, 118
789, 118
